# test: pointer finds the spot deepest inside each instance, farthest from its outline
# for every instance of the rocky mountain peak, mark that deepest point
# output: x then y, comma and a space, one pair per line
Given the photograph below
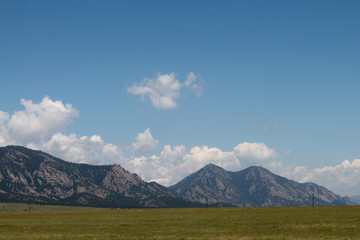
212, 167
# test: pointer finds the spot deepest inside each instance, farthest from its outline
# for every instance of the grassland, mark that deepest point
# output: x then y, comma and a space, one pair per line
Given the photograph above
19, 207
214, 223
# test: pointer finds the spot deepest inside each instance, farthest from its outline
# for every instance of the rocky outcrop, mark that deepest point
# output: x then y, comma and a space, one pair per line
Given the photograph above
254, 186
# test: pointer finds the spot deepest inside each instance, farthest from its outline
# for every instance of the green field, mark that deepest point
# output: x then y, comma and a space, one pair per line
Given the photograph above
51, 222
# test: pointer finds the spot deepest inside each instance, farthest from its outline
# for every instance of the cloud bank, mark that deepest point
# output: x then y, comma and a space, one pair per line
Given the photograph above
342, 178
164, 90
39, 126
37, 122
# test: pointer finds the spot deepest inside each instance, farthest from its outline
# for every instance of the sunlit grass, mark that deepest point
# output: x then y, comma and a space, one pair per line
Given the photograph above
214, 223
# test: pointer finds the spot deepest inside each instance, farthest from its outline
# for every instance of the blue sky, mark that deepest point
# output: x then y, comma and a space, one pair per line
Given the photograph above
280, 73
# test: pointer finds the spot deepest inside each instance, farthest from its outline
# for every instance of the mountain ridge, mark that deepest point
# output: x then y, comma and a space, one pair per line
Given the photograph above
254, 186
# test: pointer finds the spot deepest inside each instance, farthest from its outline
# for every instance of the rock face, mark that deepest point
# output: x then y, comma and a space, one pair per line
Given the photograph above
254, 186
34, 176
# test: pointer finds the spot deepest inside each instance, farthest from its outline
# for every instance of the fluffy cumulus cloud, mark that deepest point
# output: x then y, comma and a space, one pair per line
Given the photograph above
83, 149
37, 122
164, 168
195, 84
3, 117
257, 151
164, 90
145, 143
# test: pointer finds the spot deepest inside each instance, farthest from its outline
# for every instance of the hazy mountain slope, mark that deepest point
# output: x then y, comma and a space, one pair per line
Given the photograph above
356, 198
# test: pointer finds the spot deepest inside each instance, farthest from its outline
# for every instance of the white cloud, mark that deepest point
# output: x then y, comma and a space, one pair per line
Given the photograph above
37, 122
3, 117
195, 84
201, 156
164, 90
96, 138
85, 149
145, 143
257, 151
164, 169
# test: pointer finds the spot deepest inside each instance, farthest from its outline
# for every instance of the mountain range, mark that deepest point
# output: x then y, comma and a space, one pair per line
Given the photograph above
36, 177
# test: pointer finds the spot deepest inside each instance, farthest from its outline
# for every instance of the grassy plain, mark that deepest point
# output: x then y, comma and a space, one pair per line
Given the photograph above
22, 207
212, 223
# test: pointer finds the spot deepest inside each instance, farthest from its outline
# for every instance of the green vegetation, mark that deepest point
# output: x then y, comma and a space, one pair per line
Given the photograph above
212, 223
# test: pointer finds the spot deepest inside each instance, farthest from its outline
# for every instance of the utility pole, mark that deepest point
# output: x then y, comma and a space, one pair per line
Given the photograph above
207, 205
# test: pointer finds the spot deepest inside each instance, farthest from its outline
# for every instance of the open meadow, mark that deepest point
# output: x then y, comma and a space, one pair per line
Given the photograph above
54, 222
